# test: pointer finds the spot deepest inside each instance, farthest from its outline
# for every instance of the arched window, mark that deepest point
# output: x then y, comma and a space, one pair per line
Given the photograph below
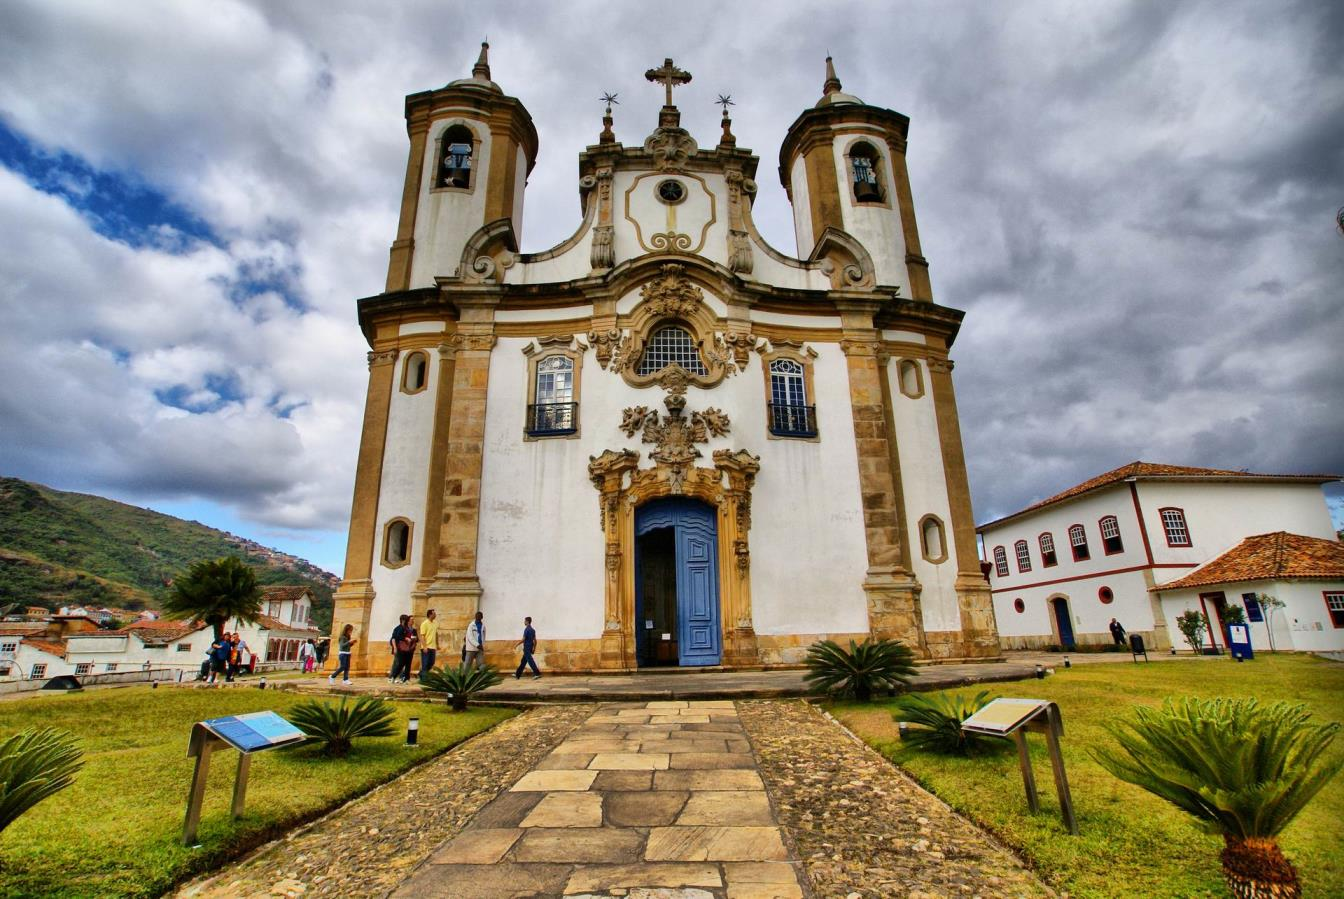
397, 543
865, 166
671, 345
1000, 561
910, 379
1078, 543
1110, 535
931, 538
455, 152
1023, 555
1173, 522
1048, 557
415, 372
790, 414
554, 410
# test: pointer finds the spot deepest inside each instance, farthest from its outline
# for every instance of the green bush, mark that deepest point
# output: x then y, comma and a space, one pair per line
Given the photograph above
865, 667
35, 764
939, 717
339, 726
1243, 770
461, 683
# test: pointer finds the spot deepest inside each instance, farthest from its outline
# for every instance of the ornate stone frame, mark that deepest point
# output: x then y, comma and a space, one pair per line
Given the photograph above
900, 378
624, 487
542, 348
387, 534
672, 299
797, 352
942, 538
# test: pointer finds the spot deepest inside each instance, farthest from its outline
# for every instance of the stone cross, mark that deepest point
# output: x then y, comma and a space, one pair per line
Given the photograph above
669, 76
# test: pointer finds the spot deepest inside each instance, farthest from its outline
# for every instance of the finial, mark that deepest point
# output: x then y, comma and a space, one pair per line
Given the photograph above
669, 76
482, 68
725, 100
607, 136
728, 139
832, 84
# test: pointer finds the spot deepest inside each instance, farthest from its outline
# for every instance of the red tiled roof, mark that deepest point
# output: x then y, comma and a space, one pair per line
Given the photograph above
1144, 471
1265, 557
160, 630
266, 622
21, 628
284, 592
51, 647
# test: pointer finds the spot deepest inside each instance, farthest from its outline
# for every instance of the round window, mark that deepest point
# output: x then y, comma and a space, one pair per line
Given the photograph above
671, 192
1019, 605
1105, 595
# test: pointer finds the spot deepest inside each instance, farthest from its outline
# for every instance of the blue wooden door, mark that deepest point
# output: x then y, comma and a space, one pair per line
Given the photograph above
1064, 620
696, 526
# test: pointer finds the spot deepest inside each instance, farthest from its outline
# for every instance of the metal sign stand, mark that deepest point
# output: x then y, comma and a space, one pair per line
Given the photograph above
1015, 717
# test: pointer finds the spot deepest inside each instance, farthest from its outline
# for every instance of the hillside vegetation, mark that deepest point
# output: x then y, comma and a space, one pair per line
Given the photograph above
60, 548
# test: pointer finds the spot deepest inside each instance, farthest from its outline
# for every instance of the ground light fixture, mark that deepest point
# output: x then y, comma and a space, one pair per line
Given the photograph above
412, 731
1040, 672
902, 728
1067, 663
262, 684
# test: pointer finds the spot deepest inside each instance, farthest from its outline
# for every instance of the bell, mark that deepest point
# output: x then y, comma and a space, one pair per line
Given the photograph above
866, 191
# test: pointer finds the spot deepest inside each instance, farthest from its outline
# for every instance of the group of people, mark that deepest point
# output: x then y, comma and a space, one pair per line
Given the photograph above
226, 656
407, 637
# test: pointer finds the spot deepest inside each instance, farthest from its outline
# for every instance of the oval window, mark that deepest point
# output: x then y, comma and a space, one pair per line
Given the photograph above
671, 192
1019, 606
1106, 596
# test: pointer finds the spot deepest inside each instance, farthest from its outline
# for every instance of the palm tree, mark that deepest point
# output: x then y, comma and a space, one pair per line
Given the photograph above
865, 667
215, 591
1242, 769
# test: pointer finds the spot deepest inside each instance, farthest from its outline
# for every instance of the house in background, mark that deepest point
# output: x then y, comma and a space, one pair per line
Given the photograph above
1061, 569
1305, 573
175, 645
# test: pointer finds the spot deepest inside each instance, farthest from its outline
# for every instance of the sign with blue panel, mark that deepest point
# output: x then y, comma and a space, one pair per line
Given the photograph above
1239, 642
254, 731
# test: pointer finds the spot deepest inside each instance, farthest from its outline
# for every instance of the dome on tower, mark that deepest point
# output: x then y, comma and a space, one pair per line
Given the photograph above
480, 74
832, 95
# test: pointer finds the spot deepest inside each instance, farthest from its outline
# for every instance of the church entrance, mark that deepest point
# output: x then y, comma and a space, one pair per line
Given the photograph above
676, 583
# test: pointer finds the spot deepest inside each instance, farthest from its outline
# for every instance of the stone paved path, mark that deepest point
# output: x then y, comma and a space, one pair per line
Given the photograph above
646, 800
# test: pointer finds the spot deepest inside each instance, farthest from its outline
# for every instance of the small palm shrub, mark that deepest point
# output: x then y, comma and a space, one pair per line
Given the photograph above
461, 683
35, 764
865, 667
1242, 769
338, 726
939, 717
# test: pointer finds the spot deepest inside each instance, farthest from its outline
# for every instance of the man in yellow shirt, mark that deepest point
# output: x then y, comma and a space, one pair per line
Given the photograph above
429, 642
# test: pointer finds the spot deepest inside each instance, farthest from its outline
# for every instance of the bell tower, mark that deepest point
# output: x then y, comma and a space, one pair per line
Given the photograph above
842, 164
472, 149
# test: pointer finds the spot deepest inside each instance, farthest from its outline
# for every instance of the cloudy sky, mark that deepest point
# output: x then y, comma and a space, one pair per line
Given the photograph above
1134, 203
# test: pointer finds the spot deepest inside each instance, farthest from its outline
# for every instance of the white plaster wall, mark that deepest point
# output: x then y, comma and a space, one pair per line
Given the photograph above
541, 549
1220, 515
133, 654
703, 201
876, 226
905, 336
408, 328
796, 321
564, 313
1303, 625
924, 484
574, 263
520, 185
1091, 617
802, 207
27, 655
445, 218
402, 494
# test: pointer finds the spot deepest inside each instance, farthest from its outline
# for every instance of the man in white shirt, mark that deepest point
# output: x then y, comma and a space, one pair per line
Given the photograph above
475, 642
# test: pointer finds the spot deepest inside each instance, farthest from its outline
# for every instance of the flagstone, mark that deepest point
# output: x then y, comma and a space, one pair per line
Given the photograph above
727, 807
651, 809
732, 779
604, 878
712, 760
578, 845
623, 780
477, 847
547, 781
566, 810
561, 761
729, 844
629, 761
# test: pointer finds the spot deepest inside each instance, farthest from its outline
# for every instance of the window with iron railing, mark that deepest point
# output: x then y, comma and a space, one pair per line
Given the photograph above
547, 419
790, 415
554, 410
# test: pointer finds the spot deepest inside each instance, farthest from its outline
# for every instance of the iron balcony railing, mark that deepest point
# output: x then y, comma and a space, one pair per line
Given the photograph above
547, 419
793, 421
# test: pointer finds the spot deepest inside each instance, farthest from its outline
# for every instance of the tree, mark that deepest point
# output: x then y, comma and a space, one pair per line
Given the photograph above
1242, 769
1269, 605
1192, 626
215, 591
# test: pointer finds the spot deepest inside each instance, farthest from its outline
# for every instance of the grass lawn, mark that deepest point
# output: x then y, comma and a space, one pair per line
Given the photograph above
1131, 843
117, 831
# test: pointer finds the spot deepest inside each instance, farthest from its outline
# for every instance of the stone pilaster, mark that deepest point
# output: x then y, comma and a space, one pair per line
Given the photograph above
607, 473
403, 248
893, 592
979, 631
739, 632
433, 524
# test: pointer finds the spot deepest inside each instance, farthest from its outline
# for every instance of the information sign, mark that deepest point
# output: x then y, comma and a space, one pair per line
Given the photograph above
254, 731
1239, 641
1009, 717
1003, 716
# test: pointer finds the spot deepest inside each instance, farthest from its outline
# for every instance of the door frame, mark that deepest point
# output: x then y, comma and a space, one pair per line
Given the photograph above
676, 513
1068, 617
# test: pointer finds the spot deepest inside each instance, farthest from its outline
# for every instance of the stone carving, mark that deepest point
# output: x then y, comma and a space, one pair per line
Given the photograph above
850, 275
478, 342
384, 358
607, 472
670, 147
603, 254
739, 252
674, 435
604, 344
670, 241
672, 293
740, 345
940, 366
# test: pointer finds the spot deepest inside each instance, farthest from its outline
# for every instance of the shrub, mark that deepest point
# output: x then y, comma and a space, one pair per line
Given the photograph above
461, 683
939, 716
338, 726
1243, 769
1192, 625
866, 666
35, 764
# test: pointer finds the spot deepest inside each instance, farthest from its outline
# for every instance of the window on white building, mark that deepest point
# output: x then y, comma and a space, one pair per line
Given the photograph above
184, 647
397, 543
9, 647
671, 345
1110, 535
84, 668
38, 670
1048, 557
1023, 555
1253, 611
1078, 543
553, 410
110, 666
1173, 522
414, 372
1334, 604
790, 414
1000, 561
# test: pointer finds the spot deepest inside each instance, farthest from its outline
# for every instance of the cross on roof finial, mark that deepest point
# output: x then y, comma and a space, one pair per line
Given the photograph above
609, 98
669, 76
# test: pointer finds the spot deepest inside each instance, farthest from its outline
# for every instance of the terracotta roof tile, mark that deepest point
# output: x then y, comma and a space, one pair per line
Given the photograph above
1154, 471
1276, 556
275, 624
51, 647
284, 592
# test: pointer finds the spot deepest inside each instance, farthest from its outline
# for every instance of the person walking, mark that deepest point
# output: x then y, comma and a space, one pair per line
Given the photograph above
429, 642
1117, 632
474, 646
307, 656
529, 645
403, 644
241, 655
343, 646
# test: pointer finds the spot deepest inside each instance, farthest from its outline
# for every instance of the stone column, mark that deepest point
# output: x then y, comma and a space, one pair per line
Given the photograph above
456, 590
979, 631
403, 248
739, 632
353, 600
916, 266
893, 592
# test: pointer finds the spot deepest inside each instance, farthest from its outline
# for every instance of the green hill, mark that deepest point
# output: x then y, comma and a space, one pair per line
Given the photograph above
60, 548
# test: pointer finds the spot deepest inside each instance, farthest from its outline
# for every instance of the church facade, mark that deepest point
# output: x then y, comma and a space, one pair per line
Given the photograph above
664, 440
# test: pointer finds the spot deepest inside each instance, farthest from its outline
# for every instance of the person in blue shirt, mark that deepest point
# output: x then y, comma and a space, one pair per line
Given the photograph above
529, 645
